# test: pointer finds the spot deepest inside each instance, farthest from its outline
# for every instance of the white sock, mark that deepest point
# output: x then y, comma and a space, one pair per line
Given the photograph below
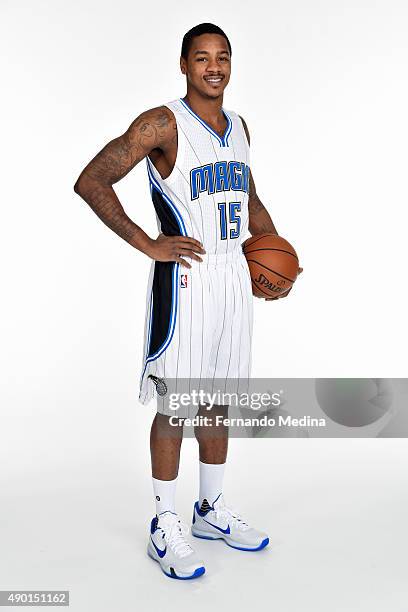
165, 495
211, 478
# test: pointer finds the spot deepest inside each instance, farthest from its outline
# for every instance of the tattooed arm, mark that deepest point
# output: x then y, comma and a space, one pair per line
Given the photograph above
153, 129
260, 221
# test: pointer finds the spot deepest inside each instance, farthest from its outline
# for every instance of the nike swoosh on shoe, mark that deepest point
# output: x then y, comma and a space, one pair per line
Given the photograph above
161, 553
226, 531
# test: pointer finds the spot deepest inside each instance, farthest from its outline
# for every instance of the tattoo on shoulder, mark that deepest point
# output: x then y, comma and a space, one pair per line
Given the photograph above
254, 203
150, 130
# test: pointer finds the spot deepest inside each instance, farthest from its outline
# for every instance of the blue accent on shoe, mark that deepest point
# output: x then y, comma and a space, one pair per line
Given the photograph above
262, 545
153, 524
198, 572
161, 553
193, 516
226, 531
207, 537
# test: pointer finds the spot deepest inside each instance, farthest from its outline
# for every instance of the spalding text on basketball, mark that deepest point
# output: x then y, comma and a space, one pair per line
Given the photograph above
262, 280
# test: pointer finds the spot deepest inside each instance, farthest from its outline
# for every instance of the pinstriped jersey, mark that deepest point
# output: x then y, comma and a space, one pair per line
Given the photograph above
206, 195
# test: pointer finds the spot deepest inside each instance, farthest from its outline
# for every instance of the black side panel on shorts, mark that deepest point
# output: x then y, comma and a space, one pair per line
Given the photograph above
163, 277
162, 299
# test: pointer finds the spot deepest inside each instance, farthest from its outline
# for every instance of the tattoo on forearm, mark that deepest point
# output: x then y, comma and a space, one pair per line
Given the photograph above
262, 227
115, 160
105, 203
254, 203
259, 219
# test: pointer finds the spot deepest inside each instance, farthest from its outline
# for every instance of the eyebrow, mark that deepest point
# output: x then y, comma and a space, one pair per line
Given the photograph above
223, 51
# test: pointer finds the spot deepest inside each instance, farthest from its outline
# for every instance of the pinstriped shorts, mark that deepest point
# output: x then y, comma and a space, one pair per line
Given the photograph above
199, 322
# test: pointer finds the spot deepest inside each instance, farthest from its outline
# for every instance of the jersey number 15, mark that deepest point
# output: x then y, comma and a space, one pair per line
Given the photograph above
230, 218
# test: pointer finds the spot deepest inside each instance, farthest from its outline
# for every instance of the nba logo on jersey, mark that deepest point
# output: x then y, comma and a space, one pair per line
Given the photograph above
183, 280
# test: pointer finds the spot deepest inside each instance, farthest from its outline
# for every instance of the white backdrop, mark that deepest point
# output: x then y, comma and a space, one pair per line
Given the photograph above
323, 88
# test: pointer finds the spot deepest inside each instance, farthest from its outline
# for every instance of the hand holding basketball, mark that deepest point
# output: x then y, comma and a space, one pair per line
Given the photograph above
279, 297
273, 265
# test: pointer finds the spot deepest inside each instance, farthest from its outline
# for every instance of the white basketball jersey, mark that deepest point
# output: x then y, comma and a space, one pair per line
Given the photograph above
208, 187
199, 320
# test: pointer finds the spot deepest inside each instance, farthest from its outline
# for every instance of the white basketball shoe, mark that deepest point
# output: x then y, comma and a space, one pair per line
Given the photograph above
168, 546
220, 522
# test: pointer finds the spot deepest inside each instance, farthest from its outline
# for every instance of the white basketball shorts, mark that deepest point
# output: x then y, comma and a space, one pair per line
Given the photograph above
199, 321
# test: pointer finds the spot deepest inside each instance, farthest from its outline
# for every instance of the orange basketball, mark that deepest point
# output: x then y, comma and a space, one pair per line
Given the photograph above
273, 264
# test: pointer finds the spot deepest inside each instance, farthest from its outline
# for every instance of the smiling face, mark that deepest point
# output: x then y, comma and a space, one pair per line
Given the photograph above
208, 65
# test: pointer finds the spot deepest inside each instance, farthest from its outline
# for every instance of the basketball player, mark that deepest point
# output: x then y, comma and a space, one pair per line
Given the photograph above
199, 299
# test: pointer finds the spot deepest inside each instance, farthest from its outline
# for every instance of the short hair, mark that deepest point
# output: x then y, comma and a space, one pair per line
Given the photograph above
202, 28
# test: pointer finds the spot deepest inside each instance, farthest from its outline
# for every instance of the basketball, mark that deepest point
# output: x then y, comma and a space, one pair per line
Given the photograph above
273, 264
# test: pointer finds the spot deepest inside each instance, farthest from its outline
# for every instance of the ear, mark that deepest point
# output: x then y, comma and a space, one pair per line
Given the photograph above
183, 66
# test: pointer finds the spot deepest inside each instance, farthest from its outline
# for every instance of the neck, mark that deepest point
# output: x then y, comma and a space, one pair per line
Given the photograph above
204, 107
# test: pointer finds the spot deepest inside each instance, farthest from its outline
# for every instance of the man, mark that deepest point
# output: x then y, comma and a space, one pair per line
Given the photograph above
197, 156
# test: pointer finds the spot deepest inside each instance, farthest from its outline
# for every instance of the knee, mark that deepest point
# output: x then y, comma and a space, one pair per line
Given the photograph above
163, 427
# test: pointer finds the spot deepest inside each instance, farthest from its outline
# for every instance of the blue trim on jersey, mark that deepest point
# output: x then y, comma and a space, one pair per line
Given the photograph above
223, 141
176, 212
